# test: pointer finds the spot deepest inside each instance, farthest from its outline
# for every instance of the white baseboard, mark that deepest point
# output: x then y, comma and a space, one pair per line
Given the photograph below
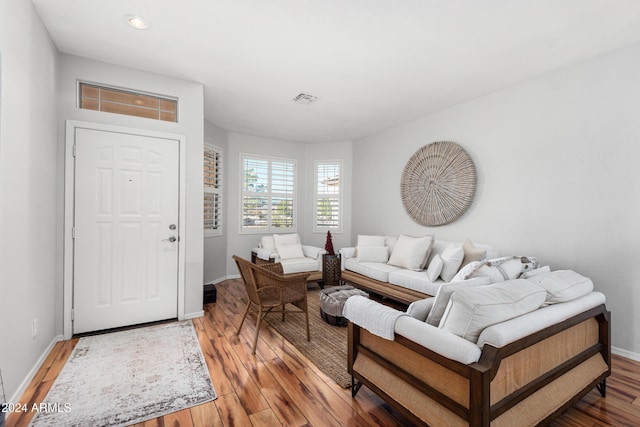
32, 373
194, 315
222, 279
626, 353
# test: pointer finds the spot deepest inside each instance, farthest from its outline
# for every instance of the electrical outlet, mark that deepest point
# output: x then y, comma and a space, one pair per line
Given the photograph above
34, 328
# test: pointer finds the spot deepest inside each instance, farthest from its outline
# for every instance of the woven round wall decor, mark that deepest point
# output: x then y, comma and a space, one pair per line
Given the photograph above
438, 183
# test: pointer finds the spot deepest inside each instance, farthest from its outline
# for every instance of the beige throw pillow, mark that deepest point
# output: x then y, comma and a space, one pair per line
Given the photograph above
472, 253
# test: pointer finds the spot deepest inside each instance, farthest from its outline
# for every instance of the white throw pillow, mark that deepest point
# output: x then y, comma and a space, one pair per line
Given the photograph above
466, 271
267, 242
420, 309
390, 242
563, 285
367, 240
372, 253
470, 310
452, 258
286, 239
290, 251
444, 295
435, 268
411, 252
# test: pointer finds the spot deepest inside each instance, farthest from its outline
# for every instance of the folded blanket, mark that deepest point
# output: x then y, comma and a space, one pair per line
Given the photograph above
378, 319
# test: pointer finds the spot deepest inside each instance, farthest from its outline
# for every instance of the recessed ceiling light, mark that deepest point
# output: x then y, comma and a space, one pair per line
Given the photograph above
304, 98
137, 22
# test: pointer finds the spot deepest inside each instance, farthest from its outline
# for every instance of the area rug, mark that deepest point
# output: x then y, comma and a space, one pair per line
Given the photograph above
328, 347
127, 377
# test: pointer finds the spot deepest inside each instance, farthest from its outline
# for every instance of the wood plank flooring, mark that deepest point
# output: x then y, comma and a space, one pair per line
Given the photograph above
279, 386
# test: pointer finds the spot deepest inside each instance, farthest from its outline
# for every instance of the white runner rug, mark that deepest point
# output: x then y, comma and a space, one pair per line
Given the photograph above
127, 377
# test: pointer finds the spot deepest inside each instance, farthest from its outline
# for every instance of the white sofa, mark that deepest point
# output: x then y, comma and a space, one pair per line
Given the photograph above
519, 352
288, 250
372, 266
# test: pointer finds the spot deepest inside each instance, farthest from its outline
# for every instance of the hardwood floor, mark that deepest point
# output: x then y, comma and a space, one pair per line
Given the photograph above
279, 386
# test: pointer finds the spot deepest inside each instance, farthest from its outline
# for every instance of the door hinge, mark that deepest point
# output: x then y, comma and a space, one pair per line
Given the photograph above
73, 232
74, 149
73, 314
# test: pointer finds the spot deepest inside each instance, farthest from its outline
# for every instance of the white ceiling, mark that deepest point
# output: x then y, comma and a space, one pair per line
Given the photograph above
372, 64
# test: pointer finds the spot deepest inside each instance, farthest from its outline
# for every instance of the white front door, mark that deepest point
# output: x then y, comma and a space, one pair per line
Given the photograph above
125, 262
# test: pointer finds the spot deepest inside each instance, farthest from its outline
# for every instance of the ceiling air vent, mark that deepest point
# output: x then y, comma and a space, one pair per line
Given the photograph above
305, 98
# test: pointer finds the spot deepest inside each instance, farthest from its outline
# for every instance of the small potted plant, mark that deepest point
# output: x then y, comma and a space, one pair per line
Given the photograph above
330, 264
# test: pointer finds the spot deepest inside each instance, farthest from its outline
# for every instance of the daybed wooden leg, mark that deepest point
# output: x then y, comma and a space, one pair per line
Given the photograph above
602, 388
355, 387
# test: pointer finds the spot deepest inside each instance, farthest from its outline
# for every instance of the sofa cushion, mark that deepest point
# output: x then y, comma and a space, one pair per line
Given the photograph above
411, 252
374, 270
416, 280
444, 295
435, 268
535, 272
562, 285
452, 258
470, 310
300, 265
504, 333
372, 253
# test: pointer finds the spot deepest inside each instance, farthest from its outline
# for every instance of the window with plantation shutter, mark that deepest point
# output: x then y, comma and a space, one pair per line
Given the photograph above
268, 194
328, 196
212, 190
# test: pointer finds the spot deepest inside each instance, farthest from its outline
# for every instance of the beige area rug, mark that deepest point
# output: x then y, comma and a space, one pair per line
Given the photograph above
328, 347
127, 377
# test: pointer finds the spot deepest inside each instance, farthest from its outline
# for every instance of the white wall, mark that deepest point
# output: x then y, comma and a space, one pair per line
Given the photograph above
190, 124
28, 193
215, 247
558, 177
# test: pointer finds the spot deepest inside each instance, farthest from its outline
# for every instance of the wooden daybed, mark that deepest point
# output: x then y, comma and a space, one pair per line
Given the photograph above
529, 381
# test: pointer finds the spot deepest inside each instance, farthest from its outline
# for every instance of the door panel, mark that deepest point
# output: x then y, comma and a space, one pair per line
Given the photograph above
126, 197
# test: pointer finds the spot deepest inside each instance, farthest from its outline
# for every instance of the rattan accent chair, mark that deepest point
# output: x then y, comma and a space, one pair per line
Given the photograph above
268, 288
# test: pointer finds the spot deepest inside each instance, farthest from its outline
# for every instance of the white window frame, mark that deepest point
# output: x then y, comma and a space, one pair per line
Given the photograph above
317, 228
216, 192
269, 194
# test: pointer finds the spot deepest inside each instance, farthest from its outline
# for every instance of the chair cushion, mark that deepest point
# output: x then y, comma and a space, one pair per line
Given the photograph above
300, 265
470, 310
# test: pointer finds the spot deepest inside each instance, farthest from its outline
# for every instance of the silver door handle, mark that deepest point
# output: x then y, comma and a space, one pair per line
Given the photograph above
170, 239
